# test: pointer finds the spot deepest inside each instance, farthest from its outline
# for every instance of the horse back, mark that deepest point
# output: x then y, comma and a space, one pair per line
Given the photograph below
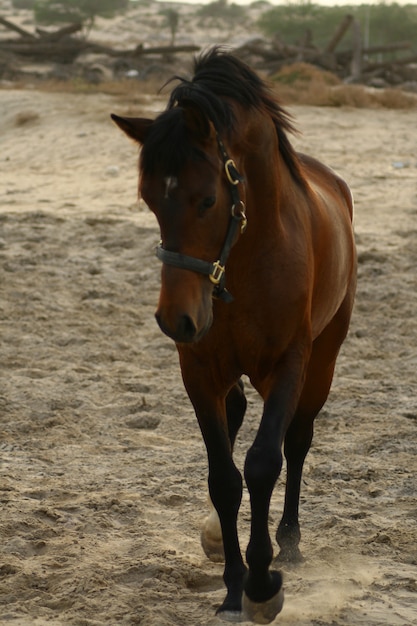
321, 176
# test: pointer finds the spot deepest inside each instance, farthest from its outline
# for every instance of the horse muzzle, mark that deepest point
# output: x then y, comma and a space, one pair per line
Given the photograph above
184, 329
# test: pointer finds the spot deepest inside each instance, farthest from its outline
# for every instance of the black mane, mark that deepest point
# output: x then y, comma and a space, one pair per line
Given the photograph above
218, 77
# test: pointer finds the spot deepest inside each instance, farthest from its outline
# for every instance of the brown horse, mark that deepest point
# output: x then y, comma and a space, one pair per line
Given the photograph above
258, 278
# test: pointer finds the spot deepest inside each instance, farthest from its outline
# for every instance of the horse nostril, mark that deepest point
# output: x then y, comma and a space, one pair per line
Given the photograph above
184, 332
186, 329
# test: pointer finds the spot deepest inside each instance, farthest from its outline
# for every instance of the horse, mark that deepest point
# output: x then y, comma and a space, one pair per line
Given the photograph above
258, 279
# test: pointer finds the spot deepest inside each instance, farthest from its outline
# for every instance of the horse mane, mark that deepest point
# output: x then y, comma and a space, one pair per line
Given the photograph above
218, 78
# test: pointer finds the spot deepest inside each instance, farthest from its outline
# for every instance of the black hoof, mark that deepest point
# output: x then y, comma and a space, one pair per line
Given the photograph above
288, 538
291, 555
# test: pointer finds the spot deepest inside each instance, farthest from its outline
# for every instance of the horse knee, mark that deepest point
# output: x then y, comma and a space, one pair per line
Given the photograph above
262, 467
225, 490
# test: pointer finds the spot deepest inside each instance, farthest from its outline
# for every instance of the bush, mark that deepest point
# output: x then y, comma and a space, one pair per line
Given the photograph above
68, 11
23, 4
222, 9
381, 23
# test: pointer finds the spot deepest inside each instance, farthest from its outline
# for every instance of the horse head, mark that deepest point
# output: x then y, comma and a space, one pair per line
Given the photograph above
188, 180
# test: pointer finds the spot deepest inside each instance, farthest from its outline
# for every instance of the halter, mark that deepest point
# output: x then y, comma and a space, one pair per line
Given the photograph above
215, 271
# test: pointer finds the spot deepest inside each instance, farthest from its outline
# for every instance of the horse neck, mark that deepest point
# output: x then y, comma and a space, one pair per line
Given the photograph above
269, 183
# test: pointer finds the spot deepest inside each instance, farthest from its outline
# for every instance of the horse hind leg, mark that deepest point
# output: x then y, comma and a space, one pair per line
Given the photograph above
300, 432
297, 444
211, 533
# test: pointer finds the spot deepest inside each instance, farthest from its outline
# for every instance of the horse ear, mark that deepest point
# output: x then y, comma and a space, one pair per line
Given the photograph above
197, 123
135, 127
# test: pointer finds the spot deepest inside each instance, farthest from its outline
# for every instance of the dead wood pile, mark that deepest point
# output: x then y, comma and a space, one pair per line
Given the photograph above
352, 64
65, 53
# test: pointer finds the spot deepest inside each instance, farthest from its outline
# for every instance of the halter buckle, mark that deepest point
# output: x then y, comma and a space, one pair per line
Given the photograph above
230, 166
217, 273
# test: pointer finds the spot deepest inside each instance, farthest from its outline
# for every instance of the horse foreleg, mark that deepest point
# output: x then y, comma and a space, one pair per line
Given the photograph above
211, 533
225, 487
263, 597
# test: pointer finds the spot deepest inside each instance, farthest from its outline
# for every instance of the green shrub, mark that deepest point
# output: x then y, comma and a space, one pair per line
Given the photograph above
222, 9
381, 23
23, 4
85, 11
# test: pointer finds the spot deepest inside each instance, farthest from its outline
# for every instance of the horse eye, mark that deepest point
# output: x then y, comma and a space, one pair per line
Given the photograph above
207, 203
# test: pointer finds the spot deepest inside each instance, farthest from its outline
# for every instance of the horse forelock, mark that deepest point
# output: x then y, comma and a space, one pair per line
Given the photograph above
219, 79
168, 145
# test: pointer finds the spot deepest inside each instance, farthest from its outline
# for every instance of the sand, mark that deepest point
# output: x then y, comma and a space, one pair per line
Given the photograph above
103, 483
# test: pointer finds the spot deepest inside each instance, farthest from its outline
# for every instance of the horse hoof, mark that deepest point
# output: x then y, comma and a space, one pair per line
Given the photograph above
262, 612
213, 548
211, 538
231, 616
291, 555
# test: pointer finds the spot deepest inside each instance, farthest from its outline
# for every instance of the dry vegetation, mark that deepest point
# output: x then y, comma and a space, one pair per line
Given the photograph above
302, 83
296, 84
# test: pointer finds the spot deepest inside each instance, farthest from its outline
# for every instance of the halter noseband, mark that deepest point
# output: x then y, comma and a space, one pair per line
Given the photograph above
215, 271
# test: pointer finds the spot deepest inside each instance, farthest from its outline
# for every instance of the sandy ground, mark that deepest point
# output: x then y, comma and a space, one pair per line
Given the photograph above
103, 485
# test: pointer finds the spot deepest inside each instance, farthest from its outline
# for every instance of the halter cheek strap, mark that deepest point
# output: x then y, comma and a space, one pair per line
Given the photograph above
215, 271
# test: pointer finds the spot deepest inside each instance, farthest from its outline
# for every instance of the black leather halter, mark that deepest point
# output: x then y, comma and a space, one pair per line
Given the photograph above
216, 271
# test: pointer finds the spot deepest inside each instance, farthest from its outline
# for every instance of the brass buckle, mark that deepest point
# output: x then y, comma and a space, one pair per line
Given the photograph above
217, 273
231, 163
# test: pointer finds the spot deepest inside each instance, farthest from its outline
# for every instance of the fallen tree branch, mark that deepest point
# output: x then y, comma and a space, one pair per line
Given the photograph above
16, 29
59, 34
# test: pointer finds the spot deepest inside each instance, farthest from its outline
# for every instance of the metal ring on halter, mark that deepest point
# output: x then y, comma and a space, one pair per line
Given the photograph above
241, 214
